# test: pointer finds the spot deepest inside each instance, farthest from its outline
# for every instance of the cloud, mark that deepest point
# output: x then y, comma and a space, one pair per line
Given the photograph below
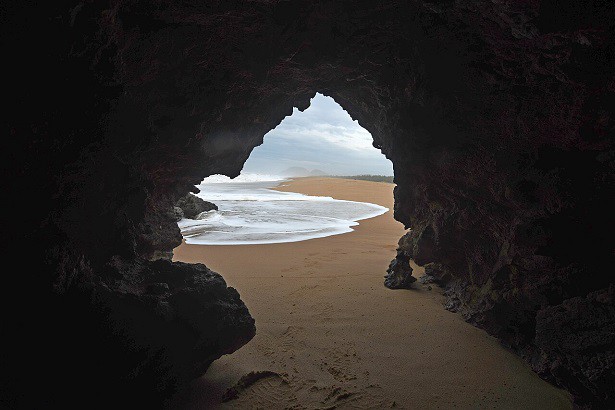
322, 137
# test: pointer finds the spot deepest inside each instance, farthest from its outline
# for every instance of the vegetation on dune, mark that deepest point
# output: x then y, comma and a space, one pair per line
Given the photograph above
373, 178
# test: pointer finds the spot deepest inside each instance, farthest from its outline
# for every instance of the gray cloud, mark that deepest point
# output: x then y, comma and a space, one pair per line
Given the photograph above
322, 137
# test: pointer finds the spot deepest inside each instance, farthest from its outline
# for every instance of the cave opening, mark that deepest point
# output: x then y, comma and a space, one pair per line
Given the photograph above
322, 139
324, 328
320, 142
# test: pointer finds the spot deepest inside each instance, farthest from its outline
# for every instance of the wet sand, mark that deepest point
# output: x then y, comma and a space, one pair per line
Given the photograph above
334, 337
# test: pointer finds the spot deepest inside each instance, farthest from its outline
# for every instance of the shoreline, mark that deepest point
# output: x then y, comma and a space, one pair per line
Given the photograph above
332, 334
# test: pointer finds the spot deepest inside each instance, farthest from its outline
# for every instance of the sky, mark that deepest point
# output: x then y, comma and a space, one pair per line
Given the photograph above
323, 137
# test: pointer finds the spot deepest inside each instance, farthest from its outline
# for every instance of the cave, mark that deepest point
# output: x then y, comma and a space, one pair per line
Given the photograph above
497, 117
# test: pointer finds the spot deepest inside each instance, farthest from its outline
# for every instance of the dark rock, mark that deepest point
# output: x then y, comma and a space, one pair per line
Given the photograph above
399, 273
452, 303
141, 329
498, 118
158, 288
192, 206
158, 234
437, 273
576, 339
426, 279
164, 297
177, 213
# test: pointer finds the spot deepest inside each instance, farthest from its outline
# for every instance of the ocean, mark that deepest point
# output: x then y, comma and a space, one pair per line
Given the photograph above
250, 212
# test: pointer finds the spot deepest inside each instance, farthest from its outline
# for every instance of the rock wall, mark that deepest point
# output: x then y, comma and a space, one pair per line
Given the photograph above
497, 116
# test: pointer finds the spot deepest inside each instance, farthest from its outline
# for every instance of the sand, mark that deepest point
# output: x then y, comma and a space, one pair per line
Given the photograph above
333, 336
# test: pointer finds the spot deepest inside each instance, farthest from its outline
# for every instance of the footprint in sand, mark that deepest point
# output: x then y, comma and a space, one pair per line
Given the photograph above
276, 392
292, 331
342, 364
258, 390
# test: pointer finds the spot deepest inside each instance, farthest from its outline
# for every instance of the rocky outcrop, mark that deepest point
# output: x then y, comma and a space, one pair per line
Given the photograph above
498, 118
576, 339
170, 321
131, 334
399, 273
177, 213
191, 206
569, 343
187, 306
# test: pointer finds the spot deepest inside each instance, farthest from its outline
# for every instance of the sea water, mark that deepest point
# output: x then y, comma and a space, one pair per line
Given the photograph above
250, 212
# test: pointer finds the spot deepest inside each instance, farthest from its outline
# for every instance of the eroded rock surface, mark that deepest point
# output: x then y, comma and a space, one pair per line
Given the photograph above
497, 116
399, 273
192, 206
577, 338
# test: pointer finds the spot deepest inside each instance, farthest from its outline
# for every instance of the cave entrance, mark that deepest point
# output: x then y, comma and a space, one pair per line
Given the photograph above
260, 206
327, 330
318, 302
321, 140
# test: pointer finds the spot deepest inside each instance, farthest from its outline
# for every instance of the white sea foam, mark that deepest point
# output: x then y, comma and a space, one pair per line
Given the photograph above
241, 179
251, 213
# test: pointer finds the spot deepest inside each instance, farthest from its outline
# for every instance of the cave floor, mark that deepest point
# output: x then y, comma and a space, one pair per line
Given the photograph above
337, 338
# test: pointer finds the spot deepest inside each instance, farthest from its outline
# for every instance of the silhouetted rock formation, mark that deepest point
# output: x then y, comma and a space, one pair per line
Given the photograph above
497, 116
192, 206
399, 274
577, 337
170, 321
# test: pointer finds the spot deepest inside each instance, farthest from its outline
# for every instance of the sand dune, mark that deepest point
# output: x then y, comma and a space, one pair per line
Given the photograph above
330, 335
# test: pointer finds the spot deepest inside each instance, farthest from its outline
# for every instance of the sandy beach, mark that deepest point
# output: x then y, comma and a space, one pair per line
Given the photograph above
332, 336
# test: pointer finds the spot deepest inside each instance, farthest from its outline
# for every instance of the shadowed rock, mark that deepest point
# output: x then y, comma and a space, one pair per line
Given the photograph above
191, 206
182, 314
577, 337
141, 331
399, 273
177, 213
